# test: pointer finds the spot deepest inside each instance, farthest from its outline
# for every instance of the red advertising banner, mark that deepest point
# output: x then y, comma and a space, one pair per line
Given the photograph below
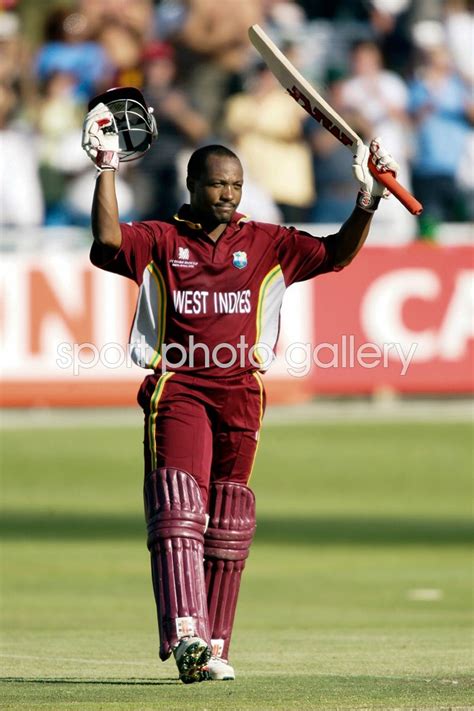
398, 318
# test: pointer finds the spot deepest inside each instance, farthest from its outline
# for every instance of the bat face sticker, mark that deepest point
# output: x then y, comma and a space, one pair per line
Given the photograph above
313, 111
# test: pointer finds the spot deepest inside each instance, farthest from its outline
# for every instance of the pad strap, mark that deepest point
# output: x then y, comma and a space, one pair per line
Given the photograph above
227, 544
176, 521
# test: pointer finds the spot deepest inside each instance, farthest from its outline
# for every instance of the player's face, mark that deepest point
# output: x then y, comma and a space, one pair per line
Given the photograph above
217, 193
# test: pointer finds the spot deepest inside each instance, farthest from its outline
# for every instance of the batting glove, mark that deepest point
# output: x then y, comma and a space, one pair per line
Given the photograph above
100, 139
371, 190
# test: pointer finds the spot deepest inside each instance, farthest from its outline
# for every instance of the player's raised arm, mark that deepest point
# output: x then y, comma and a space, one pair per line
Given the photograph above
354, 231
101, 143
105, 217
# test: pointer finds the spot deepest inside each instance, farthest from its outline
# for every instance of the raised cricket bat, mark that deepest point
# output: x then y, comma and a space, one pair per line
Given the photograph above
312, 102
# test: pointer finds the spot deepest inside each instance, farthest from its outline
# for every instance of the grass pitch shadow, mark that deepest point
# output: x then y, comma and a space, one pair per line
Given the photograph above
102, 682
317, 530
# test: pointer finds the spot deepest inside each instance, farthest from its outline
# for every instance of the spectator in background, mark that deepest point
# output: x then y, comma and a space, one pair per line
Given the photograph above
135, 14
459, 26
442, 109
21, 200
123, 47
58, 119
285, 17
11, 50
380, 97
16, 60
213, 47
389, 22
332, 161
68, 50
73, 68
264, 122
180, 126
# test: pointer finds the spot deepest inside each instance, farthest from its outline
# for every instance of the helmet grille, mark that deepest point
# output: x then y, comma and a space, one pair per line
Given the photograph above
135, 126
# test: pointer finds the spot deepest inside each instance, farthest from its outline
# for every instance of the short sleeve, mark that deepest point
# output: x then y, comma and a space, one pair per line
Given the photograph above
303, 256
136, 251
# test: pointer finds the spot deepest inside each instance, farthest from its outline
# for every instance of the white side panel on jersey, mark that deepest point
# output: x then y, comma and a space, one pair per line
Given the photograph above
148, 329
270, 319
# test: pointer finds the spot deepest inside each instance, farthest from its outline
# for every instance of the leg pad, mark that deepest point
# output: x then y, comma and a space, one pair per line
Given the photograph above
176, 521
227, 543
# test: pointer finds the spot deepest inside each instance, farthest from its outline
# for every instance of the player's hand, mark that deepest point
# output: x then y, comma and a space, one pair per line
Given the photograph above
370, 189
100, 139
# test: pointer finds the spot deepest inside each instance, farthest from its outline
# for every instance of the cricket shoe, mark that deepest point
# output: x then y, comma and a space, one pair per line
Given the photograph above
192, 655
220, 670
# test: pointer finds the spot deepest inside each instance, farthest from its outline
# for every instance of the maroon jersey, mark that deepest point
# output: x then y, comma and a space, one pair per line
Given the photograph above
211, 307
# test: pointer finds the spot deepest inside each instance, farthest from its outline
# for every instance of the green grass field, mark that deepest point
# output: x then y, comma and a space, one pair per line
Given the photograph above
357, 593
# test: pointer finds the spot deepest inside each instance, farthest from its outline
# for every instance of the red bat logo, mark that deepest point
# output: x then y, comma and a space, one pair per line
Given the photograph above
305, 102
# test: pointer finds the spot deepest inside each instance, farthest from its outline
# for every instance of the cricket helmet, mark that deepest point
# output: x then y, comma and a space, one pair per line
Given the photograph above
134, 120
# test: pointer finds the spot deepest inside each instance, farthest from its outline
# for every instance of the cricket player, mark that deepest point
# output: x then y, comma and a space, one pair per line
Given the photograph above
211, 283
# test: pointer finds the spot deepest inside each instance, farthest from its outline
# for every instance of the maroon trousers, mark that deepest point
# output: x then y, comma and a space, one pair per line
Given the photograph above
200, 443
208, 428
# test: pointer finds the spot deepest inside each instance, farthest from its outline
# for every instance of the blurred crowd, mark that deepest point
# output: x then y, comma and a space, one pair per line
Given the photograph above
400, 69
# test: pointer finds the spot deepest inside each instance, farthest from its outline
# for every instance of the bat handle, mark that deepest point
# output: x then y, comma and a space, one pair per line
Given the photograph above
401, 193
